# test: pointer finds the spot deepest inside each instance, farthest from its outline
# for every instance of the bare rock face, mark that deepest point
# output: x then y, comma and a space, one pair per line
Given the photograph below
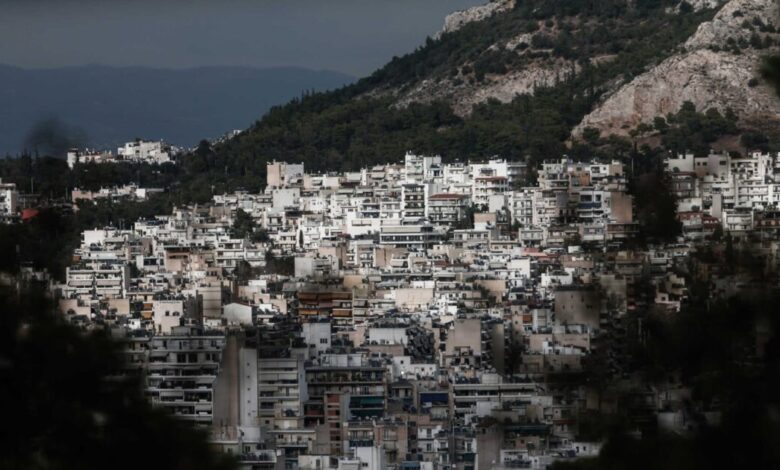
464, 92
707, 76
728, 22
464, 95
516, 41
700, 4
455, 21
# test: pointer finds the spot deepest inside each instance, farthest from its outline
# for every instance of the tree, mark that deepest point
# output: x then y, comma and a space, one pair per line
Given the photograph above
730, 255
771, 71
712, 348
656, 207
690, 130
243, 225
69, 407
659, 123
243, 272
591, 135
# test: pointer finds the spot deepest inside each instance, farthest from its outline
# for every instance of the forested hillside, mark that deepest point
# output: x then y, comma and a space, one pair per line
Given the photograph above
604, 42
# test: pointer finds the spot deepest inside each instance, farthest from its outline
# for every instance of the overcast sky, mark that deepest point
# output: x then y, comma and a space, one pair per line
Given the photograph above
351, 36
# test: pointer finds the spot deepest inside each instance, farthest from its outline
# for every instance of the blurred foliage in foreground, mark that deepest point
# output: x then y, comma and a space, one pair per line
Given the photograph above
67, 405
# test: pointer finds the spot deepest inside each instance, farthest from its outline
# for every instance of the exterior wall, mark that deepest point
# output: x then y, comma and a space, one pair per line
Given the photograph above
317, 335
621, 207
248, 389
413, 298
388, 335
211, 301
167, 314
237, 313
466, 334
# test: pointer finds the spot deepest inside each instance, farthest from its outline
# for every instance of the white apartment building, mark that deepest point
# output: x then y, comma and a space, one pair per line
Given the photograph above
281, 389
148, 151
9, 199
97, 280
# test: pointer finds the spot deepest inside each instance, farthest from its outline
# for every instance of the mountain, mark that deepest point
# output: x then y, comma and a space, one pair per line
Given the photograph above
513, 78
717, 67
104, 106
712, 68
532, 80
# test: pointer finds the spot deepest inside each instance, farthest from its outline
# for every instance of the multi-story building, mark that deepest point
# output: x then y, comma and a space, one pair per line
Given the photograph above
447, 209
180, 370
9, 200
282, 390
416, 315
148, 151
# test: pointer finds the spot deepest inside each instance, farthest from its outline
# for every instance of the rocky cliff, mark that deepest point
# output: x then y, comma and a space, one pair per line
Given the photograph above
515, 79
718, 67
533, 59
463, 91
456, 20
463, 94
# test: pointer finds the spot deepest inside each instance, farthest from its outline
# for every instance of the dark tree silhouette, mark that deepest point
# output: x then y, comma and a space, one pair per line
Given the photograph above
728, 353
656, 207
771, 71
67, 405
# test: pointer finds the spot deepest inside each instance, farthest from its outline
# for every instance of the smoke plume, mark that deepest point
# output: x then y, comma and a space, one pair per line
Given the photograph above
52, 137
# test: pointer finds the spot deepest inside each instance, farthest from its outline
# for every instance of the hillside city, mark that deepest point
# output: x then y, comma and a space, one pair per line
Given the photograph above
418, 315
541, 234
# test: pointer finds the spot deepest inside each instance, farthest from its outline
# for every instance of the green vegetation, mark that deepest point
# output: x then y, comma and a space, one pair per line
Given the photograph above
603, 42
577, 30
244, 227
771, 71
72, 408
728, 353
351, 127
689, 130
51, 178
656, 208
47, 241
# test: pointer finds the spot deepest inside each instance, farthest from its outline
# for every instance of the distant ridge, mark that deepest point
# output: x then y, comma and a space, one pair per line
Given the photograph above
113, 104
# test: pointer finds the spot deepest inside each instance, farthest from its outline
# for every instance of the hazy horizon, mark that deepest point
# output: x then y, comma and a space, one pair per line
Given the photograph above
353, 37
322, 39
103, 106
